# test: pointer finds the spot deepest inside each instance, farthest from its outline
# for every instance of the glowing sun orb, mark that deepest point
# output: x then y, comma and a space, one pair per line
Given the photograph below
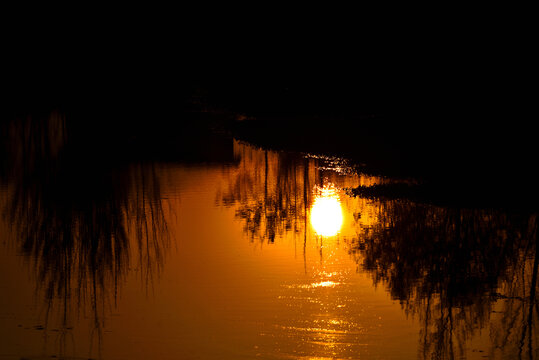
326, 212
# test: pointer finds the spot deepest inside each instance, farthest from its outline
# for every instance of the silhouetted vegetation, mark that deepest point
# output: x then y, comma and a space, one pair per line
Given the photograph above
81, 222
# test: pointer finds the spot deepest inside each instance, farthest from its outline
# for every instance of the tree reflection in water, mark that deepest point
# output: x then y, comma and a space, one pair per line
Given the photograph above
455, 268
274, 191
460, 271
75, 217
268, 190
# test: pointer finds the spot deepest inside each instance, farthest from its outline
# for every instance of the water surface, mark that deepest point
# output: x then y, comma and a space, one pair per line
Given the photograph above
251, 254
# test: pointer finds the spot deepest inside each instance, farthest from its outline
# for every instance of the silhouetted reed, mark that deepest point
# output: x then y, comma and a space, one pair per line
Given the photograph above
81, 222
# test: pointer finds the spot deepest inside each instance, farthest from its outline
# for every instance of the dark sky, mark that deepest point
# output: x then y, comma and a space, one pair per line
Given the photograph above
430, 71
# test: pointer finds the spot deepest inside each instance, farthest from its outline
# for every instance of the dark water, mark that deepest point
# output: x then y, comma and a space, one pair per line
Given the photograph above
228, 251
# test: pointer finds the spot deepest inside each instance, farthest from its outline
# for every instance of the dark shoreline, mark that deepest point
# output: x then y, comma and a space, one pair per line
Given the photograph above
446, 176
479, 155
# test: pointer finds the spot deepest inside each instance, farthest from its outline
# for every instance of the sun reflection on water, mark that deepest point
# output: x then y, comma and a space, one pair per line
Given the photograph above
326, 212
320, 284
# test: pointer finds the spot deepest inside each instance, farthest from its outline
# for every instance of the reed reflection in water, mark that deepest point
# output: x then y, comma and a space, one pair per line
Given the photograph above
81, 221
275, 193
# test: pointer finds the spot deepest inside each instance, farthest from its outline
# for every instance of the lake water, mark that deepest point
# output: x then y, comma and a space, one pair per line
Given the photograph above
250, 254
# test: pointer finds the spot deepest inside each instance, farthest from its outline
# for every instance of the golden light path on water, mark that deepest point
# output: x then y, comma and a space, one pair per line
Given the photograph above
326, 212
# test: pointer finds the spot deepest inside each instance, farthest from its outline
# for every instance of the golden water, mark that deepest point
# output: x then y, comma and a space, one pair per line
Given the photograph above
264, 256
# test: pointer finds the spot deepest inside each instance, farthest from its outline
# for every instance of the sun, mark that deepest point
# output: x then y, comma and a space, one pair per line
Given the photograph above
326, 212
